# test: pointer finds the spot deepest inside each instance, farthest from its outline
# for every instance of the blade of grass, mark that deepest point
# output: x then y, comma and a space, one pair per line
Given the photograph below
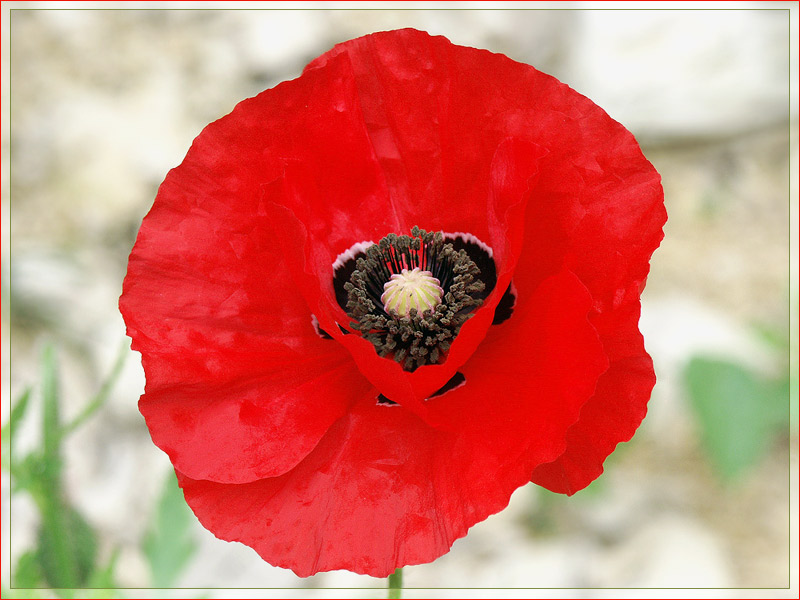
51, 418
102, 395
17, 412
81, 541
62, 570
7, 433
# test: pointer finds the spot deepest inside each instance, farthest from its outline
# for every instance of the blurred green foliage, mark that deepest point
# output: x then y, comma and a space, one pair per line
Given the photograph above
168, 545
66, 557
740, 413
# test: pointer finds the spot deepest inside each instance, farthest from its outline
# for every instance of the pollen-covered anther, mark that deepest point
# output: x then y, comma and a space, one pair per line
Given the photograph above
409, 289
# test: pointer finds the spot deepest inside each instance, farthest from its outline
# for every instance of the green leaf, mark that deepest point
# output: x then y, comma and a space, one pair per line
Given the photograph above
51, 420
74, 537
7, 433
168, 544
26, 474
17, 412
67, 544
738, 412
103, 394
27, 574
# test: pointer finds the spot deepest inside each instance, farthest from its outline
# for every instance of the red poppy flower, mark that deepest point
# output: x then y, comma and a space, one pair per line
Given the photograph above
314, 416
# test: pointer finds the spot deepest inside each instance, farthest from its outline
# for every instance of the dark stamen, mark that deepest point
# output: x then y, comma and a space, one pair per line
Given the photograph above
416, 338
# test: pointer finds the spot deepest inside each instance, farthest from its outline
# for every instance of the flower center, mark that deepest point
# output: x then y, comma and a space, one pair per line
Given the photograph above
411, 289
411, 295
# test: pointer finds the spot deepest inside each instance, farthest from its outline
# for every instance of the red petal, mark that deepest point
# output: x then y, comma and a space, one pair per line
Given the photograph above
532, 375
600, 211
597, 207
256, 425
614, 412
312, 216
384, 490
239, 385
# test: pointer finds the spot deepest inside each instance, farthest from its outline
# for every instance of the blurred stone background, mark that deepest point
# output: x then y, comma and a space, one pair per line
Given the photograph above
100, 104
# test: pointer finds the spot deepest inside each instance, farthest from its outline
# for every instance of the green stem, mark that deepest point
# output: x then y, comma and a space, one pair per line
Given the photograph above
62, 563
396, 584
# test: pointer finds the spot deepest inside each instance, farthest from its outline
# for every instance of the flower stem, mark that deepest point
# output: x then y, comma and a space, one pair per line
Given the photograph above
396, 584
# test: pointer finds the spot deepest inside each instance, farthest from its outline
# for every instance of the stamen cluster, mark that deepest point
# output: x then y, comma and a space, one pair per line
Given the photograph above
419, 337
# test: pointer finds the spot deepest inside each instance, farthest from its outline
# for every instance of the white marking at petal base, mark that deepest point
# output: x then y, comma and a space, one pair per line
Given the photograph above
470, 239
351, 253
315, 324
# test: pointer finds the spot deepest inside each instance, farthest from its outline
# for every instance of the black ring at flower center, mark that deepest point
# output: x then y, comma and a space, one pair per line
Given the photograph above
413, 337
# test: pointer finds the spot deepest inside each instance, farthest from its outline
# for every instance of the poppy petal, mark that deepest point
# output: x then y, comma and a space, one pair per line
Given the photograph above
229, 349
603, 219
596, 208
256, 426
615, 410
384, 489
561, 356
233, 377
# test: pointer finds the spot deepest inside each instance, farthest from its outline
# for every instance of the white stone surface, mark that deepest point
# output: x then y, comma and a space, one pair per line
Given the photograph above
671, 551
684, 73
